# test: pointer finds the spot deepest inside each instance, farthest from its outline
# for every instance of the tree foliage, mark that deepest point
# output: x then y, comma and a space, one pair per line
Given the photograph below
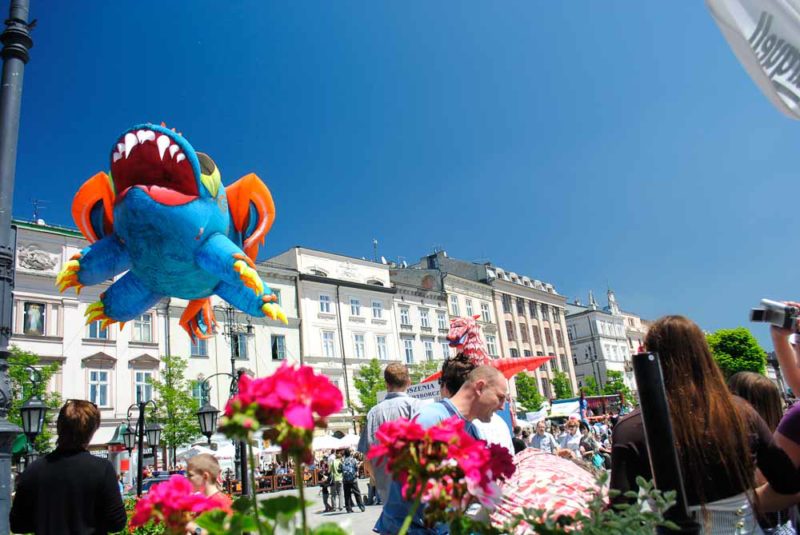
177, 408
737, 350
561, 386
369, 381
615, 383
527, 392
590, 387
421, 370
23, 388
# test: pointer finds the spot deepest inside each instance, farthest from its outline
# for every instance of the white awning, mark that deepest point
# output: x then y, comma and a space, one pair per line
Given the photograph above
103, 435
562, 410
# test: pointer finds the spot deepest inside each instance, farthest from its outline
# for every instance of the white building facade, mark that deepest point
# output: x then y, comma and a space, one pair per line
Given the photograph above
347, 317
114, 367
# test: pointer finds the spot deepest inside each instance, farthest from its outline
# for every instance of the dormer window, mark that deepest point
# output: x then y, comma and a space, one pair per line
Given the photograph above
318, 272
375, 282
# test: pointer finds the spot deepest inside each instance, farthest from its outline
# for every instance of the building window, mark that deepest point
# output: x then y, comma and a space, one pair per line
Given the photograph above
556, 314
454, 306
548, 337
325, 304
197, 392
424, 318
277, 294
428, 349
507, 304
355, 307
520, 306
514, 353
510, 330
96, 332
532, 309
523, 329
144, 386
537, 338
559, 338
441, 318
574, 360
545, 313
240, 345
143, 328
377, 310
491, 345
485, 314
199, 348
380, 342
445, 350
468, 303
328, 349
358, 346
564, 363
278, 347
408, 347
546, 388
527, 353
404, 316
98, 388
33, 322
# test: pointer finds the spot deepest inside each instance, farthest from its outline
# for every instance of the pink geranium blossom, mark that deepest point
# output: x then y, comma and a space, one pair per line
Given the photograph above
442, 466
172, 503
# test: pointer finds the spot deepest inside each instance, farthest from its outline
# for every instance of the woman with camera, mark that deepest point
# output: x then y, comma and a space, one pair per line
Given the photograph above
720, 438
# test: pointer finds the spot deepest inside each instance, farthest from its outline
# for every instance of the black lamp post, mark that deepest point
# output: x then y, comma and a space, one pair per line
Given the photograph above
207, 418
16, 40
233, 331
153, 432
32, 414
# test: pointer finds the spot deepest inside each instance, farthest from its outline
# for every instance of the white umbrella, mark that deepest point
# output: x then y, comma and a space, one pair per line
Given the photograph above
350, 440
327, 442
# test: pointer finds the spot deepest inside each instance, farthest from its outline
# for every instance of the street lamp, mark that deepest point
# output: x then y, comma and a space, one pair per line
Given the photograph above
33, 410
207, 418
232, 332
129, 438
153, 432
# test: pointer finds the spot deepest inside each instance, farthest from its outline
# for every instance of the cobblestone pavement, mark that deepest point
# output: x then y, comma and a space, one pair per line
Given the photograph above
356, 522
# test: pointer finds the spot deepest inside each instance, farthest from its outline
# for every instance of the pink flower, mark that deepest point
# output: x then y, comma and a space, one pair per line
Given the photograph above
172, 503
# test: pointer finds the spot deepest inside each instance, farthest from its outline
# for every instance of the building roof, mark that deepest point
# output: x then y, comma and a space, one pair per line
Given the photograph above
41, 226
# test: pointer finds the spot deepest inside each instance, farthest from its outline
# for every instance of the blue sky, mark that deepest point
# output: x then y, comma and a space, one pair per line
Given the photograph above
581, 143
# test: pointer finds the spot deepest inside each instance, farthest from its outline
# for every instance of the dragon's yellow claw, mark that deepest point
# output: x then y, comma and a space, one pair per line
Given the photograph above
274, 312
68, 276
97, 312
249, 276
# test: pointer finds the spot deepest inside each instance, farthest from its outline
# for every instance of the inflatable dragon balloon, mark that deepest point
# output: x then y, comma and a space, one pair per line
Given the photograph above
163, 216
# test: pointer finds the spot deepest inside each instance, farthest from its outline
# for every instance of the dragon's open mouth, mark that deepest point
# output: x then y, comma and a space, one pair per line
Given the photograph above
152, 161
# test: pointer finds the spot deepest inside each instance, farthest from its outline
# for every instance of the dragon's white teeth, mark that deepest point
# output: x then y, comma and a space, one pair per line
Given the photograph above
145, 135
120, 147
180, 158
116, 157
130, 142
172, 150
163, 143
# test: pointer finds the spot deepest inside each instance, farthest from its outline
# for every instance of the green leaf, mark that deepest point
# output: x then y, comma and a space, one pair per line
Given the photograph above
328, 528
280, 505
242, 504
213, 521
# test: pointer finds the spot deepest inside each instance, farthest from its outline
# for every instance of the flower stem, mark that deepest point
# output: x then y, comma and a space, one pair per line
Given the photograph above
253, 487
409, 518
301, 484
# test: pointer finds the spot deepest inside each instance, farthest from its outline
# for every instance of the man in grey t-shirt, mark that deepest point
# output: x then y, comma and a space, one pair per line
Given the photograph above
543, 440
397, 405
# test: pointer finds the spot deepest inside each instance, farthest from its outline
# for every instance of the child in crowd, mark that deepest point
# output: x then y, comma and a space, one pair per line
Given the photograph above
203, 471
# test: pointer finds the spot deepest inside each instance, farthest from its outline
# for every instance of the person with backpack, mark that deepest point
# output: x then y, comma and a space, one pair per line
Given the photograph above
350, 480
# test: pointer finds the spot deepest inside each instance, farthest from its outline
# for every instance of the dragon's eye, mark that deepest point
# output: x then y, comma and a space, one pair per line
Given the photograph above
207, 165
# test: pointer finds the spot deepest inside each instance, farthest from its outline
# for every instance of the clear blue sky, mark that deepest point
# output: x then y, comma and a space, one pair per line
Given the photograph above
581, 143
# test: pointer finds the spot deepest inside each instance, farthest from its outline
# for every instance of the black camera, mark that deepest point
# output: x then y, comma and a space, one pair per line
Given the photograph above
776, 313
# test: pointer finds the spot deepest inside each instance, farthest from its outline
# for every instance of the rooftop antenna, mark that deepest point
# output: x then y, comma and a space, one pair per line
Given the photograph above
37, 206
374, 250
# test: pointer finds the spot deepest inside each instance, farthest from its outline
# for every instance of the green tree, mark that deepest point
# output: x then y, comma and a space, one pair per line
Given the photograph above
421, 370
590, 387
737, 350
369, 381
23, 388
615, 383
527, 392
177, 408
561, 385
